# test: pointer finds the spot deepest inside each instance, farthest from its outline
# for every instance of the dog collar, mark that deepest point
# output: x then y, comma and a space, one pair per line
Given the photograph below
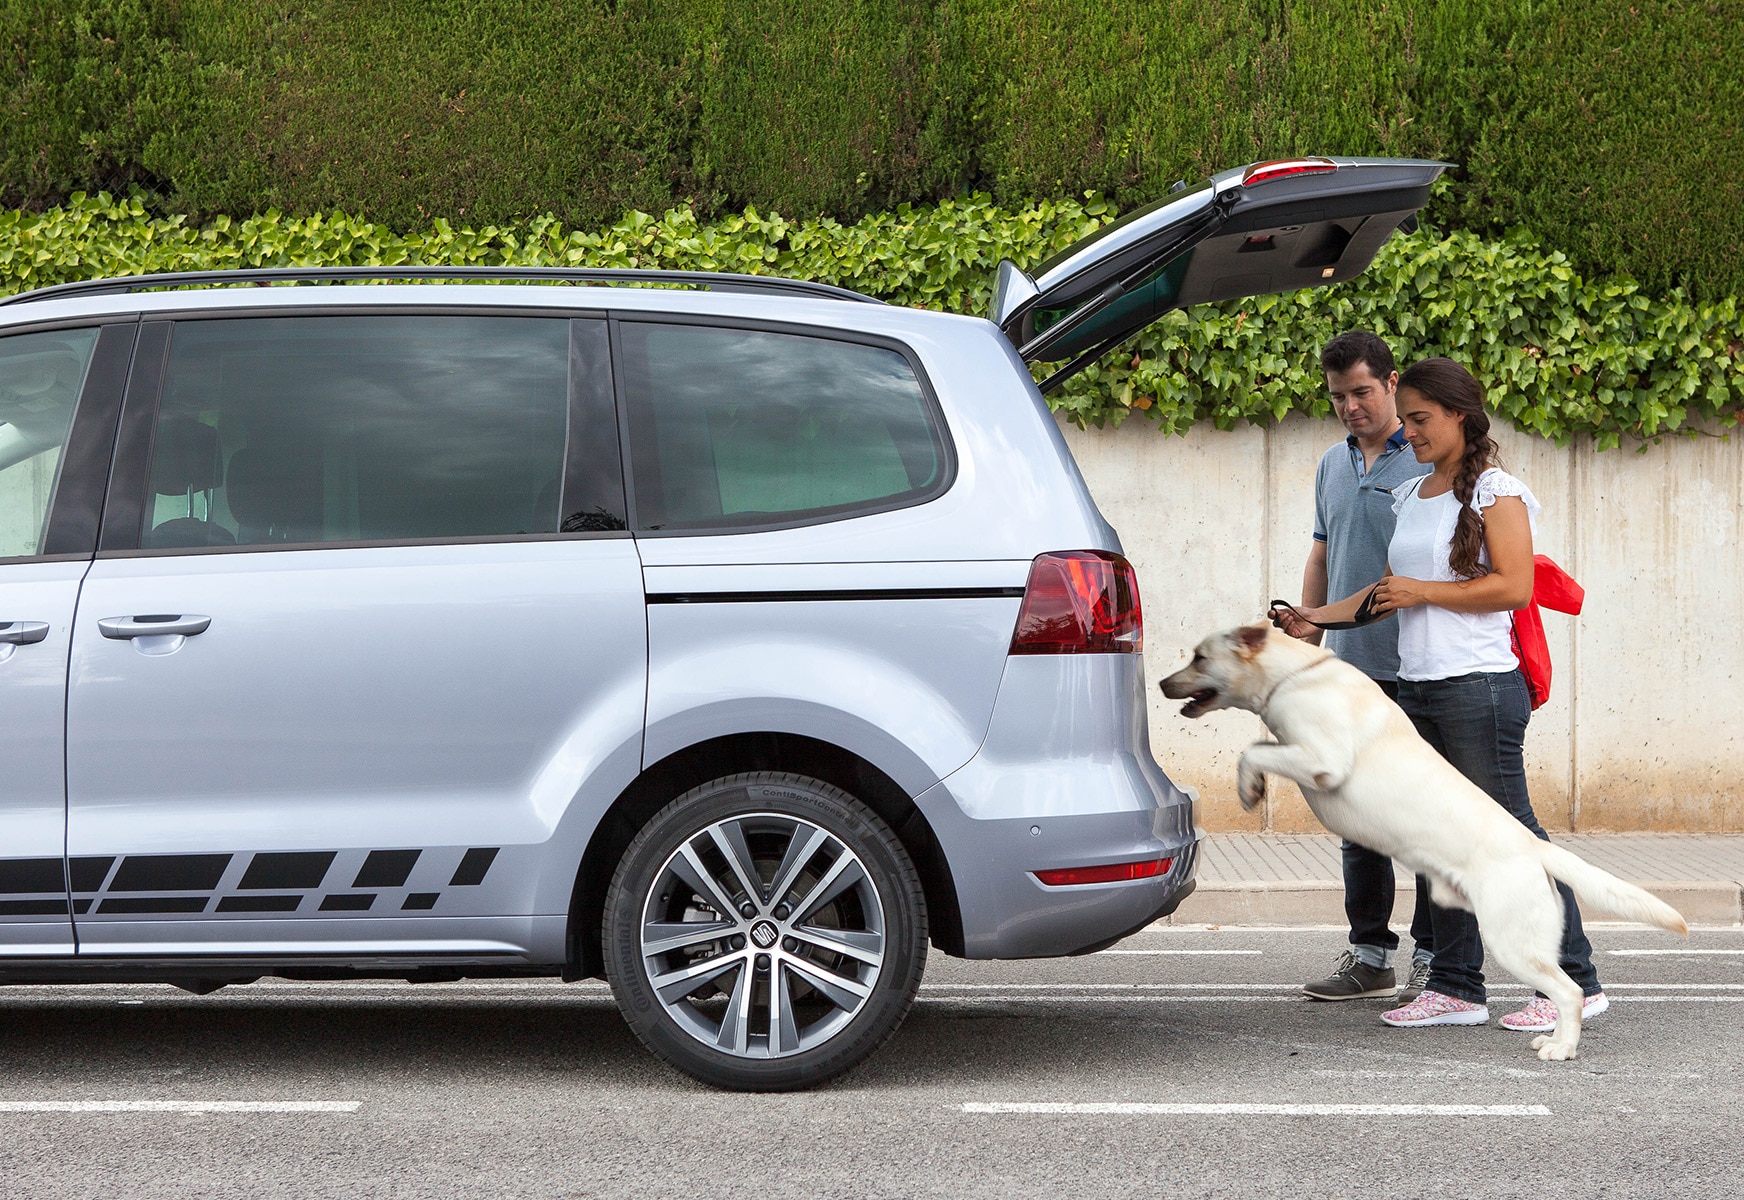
1266, 703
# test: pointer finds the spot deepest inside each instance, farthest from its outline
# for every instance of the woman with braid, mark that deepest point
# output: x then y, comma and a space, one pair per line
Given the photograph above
1459, 563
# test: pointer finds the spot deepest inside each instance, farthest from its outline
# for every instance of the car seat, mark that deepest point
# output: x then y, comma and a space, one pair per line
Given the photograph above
185, 460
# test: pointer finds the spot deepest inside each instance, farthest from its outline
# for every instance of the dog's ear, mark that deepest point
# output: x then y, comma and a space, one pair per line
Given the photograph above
1251, 639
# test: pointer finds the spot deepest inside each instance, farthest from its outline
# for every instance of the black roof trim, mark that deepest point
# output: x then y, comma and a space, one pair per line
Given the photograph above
711, 280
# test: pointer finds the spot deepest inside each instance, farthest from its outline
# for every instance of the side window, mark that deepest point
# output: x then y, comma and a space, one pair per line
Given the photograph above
40, 378
285, 430
734, 427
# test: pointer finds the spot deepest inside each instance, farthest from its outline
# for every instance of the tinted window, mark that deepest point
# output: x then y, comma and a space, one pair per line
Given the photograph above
733, 427
374, 428
40, 377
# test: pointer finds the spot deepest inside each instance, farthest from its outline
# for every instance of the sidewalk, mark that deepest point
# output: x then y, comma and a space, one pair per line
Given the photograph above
1295, 879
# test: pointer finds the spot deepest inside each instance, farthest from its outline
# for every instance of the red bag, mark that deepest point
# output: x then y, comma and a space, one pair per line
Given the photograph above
1552, 587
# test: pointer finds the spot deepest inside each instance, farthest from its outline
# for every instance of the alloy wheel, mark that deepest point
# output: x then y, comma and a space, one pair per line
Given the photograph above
763, 935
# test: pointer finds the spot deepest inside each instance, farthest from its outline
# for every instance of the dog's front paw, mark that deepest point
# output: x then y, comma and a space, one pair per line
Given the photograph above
1550, 1050
1250, 786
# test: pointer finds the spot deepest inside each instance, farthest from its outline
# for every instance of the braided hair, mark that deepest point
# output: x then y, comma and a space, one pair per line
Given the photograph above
1452, 387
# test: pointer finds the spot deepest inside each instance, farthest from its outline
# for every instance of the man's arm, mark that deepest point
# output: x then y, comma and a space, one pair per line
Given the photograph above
1314, 583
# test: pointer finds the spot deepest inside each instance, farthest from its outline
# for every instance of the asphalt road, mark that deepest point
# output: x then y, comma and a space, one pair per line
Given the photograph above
537, 1089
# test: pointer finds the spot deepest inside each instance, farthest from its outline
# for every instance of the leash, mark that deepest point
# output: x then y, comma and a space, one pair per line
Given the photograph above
1365, 614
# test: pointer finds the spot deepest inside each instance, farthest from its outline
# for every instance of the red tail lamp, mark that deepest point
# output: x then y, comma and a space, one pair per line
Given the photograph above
1080, 602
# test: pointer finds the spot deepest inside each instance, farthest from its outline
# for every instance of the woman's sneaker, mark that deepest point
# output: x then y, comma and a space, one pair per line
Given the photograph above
1436, 1008
1540, 1014
1353, 980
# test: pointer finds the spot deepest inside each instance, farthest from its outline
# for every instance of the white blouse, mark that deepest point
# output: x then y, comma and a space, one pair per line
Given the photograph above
1435, 642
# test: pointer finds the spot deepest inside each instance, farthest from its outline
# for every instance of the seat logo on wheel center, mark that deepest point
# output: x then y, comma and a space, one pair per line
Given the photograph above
764, 934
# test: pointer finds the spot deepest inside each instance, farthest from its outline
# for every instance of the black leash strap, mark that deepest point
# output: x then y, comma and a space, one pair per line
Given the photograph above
1365, 613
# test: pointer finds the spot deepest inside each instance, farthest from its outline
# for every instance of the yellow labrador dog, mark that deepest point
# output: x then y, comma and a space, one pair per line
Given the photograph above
1370, 778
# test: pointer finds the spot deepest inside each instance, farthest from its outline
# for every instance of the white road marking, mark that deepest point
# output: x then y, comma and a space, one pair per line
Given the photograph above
1106, 987
179, 1106
1679, 999
994, 997
1280, 1110
1502, 989
1182, 953
1669, 953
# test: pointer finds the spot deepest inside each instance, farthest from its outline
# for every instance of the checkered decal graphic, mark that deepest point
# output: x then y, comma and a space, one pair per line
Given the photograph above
273, 882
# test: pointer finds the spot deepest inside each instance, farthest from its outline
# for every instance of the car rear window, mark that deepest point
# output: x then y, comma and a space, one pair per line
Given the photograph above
736, 428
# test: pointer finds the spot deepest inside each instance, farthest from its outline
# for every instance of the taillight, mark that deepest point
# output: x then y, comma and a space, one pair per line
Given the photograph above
1283, 168
1112, 873
1080, 602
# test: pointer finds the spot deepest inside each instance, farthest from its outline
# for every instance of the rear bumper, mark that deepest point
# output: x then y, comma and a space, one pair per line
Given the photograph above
1065, 778
1008, 913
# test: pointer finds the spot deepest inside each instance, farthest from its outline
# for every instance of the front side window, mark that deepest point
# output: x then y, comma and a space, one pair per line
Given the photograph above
40, 378
284, 430
731, 428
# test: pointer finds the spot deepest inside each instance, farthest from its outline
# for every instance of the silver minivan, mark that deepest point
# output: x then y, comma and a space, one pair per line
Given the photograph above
733, 639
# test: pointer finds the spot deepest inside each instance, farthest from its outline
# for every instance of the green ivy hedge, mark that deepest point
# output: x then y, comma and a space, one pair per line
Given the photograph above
1561, 354
1610, 127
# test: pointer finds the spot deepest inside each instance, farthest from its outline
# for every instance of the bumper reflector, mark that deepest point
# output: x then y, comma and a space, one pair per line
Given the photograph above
1111, 873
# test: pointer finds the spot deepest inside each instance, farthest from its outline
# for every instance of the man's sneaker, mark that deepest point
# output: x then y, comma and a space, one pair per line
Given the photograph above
1415, 983
1540, 1014
1436, 1008
1353, 980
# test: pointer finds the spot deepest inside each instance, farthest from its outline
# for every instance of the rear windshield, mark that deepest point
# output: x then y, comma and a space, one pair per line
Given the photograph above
734, 428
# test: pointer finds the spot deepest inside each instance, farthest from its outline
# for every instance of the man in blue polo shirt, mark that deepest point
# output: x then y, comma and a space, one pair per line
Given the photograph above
1353, 524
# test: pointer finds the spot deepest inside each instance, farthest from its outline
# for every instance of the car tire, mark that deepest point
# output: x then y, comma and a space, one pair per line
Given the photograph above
810, 932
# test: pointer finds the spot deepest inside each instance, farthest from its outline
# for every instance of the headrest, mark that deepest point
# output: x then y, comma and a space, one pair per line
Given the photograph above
185, 458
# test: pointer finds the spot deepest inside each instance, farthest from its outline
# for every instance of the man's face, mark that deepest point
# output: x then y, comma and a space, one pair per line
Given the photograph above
1363, 402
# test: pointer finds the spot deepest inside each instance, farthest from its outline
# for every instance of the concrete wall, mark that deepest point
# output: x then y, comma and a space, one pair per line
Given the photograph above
1642, 730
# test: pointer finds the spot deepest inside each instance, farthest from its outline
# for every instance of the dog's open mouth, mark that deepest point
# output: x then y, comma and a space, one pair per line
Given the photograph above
1197, 701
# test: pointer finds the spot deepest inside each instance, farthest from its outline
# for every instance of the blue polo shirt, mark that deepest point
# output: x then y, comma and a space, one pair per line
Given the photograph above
1353, 515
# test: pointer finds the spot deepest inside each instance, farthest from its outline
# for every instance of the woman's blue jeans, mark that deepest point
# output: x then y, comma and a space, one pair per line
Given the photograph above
1478, 723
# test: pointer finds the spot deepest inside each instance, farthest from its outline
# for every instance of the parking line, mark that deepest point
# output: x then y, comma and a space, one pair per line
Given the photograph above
990, 997
179, 1106
1500, 989
1181, 953
1669, 953
1270, 1110
1149, 999
1109, 987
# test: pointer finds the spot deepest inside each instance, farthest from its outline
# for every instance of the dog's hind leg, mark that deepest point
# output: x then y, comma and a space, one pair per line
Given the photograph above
1446, 894
1520, 917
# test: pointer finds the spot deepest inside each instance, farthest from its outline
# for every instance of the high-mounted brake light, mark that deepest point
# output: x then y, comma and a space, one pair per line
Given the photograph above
1080, 602
1283, 168
1111, 873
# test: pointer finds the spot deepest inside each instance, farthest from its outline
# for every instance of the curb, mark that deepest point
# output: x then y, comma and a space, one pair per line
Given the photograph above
1321, 902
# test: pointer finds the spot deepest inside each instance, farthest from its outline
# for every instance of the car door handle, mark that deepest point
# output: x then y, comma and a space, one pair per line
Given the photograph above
124, 629
22, 633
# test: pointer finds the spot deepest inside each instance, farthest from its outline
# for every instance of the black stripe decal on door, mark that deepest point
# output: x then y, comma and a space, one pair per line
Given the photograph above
32, 875
280, 871
169, 873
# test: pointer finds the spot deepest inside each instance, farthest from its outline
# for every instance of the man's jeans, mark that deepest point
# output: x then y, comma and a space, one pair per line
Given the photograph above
1478, 723
1368, 898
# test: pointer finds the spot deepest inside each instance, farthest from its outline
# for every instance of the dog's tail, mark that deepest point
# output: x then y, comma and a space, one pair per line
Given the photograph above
1604, 891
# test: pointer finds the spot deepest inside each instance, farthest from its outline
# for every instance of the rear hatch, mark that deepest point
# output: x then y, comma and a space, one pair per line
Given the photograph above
1269, 227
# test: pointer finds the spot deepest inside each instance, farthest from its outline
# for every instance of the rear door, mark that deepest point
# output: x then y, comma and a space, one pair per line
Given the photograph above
358, 636
1270, 227
769, 466
52, 471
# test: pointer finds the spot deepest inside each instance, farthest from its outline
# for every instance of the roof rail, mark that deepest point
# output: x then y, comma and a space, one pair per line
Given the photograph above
711, 280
